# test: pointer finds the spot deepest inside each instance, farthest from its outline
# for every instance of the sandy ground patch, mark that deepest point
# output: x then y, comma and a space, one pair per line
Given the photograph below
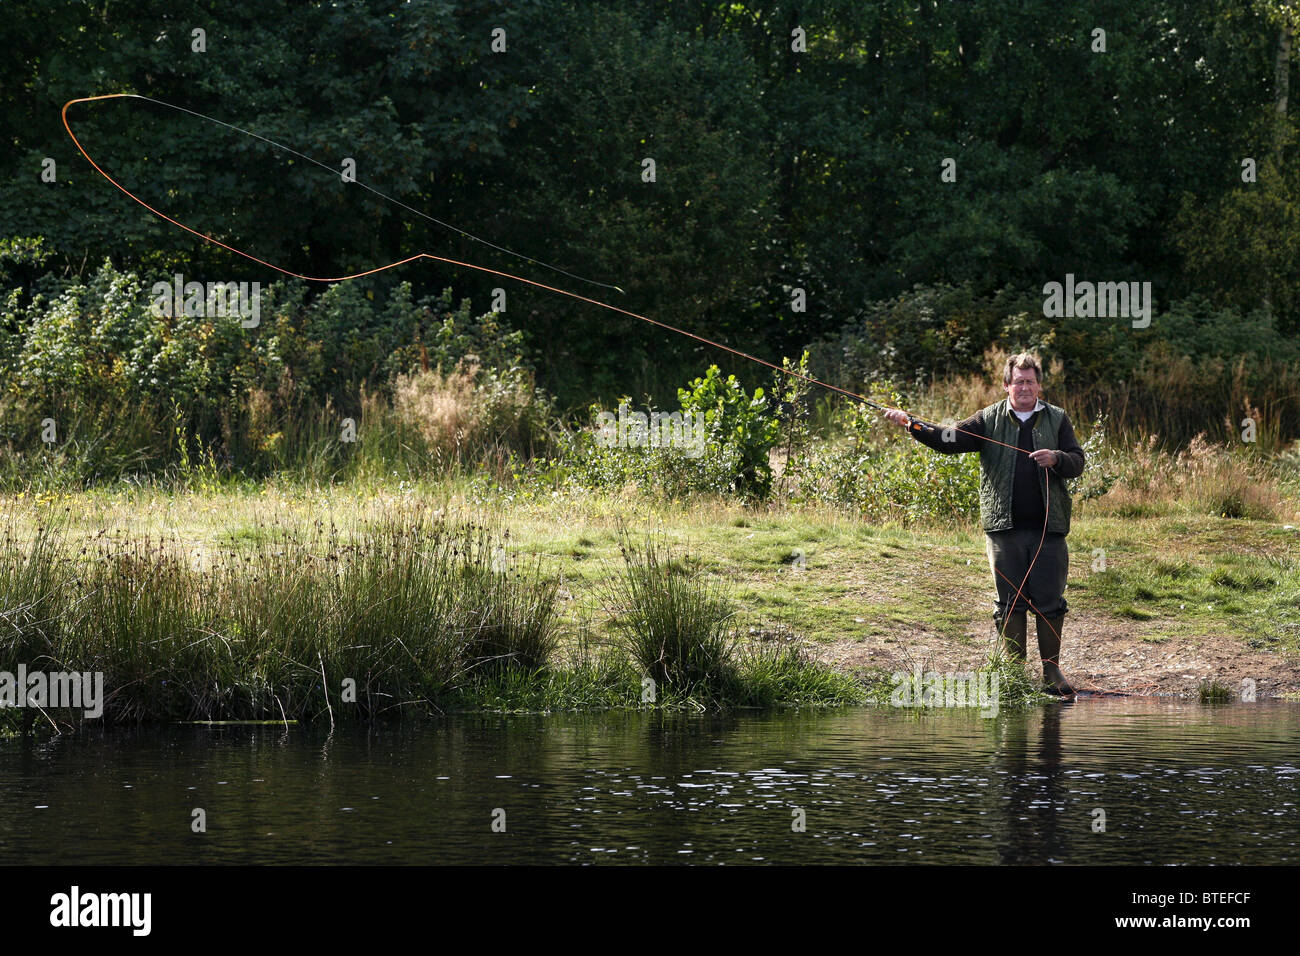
1098, 653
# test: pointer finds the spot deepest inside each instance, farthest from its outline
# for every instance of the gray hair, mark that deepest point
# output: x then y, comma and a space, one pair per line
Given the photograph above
1022, 360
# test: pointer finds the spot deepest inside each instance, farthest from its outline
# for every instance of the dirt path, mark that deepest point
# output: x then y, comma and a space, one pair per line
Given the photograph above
1099, 652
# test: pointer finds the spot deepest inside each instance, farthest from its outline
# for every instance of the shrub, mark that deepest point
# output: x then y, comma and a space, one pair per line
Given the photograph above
439, 407
884, 475
740, 426
463, 413
96, 358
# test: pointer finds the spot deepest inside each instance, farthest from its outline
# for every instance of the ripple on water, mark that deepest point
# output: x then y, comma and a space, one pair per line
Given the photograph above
1180, 783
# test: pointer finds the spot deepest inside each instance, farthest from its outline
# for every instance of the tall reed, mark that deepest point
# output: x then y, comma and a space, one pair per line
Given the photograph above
674, 625
305, 622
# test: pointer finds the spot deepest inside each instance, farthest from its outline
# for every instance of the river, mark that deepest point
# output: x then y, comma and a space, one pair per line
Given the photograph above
1116, 780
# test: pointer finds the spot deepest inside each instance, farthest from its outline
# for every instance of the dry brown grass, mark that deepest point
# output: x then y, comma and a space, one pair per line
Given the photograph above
1171, 395
1178, 398
440, 406
1228, 478
1203, 477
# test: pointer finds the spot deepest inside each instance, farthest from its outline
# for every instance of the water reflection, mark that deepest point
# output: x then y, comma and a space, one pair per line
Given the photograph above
1178, 783
1033, 778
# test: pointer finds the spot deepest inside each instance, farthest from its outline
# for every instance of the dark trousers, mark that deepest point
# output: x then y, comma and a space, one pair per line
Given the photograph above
1010, 553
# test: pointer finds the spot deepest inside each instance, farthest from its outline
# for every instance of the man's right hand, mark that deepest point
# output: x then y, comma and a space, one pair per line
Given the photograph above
898, 416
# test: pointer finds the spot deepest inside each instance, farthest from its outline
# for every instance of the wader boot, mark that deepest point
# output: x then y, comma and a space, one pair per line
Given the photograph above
1014, 629
1049, 649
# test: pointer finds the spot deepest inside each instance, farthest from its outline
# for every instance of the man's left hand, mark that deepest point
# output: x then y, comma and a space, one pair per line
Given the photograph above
1046, 457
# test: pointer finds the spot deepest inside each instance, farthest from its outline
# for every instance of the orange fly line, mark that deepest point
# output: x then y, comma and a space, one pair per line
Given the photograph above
914, 422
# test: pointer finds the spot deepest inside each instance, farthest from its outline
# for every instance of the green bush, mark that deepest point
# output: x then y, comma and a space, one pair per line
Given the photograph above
883, 474
95, 358
741, 426
739, 432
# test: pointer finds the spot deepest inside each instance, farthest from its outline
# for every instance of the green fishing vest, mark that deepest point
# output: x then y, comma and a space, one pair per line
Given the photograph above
998, 466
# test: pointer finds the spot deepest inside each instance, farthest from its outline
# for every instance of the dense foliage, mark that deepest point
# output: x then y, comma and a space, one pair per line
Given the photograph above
889, 184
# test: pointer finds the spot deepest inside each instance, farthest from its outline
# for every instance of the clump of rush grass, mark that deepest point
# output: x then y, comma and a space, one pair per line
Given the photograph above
29, 595
674, 625
516, 631
1214, 692
1018, 688
304, 623
788, 675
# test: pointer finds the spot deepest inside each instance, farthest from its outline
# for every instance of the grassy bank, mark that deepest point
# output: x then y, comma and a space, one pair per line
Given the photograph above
258, 601
393, 612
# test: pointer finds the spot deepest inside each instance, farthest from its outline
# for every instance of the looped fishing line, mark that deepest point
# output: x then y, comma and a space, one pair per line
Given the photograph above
914, 422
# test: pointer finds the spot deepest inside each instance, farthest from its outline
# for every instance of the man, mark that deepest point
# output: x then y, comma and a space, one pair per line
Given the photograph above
1016, 490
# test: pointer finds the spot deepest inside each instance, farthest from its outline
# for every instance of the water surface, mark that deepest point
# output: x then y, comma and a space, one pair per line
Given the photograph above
1179, 783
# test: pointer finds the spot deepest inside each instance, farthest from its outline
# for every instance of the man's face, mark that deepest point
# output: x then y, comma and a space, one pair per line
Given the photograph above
1023, 390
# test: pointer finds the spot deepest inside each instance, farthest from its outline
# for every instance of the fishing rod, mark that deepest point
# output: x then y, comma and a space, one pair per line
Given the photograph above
914, 423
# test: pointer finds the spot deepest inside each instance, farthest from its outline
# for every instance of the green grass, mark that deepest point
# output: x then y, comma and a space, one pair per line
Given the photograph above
1252, 589
786, 675
404, 613
764, 678
1214, 692
609, 681
207, 603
